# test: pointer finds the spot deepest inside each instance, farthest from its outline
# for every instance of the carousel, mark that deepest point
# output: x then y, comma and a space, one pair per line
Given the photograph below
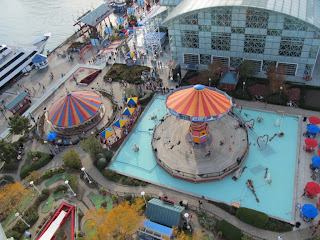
201, 140
76, 112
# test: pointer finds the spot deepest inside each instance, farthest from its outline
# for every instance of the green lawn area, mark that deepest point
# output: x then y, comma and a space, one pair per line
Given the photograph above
64, 176
48, 205
22, 206
97, 200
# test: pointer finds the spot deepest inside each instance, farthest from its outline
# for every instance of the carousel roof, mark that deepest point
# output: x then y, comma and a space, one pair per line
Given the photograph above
74, 108
198, 101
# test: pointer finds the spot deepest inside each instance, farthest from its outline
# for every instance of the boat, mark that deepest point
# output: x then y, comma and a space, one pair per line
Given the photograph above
17, 60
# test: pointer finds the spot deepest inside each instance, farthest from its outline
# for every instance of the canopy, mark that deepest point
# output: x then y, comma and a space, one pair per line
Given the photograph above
120, 123
51, 136
121, 34
310, 142
313, 129
107, 133
316, 161
127, 34
309, 211
128, 27
132, 101
130, 55
130, 31
313, 188
198, 103
74, 108
128, 111
314, 120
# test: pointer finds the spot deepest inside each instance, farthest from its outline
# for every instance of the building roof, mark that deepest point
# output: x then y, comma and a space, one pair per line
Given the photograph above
16, 101
163, 213
308, 11
96, 16
229, 78
158, 228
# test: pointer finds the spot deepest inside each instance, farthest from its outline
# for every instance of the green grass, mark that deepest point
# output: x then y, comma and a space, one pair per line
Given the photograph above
97, 200
48, 205
22, 206
64, 176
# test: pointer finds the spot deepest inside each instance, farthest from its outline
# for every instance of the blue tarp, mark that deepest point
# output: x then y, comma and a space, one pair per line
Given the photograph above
158, 228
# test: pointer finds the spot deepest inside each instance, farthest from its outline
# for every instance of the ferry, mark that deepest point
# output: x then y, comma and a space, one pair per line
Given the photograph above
17, 60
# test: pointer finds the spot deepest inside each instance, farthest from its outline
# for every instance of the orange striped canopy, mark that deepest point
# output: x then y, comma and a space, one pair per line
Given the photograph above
74, 108
199, 103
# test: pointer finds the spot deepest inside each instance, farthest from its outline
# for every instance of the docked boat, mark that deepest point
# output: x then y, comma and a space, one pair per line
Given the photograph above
17, 60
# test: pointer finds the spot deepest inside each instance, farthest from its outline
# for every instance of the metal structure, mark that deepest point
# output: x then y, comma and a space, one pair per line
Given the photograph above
263, 32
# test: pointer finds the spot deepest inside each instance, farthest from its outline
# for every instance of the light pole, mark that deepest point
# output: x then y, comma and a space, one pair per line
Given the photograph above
243, 85
178, 76
142, 194
209, 82
84, 171
280, 93
67, 183
31, 183
18, 215
187, 217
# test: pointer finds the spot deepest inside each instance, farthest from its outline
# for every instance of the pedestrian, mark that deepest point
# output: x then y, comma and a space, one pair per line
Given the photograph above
279, 238
200, 203
111, 90
43, 87
208, 154
34, 89
27, 234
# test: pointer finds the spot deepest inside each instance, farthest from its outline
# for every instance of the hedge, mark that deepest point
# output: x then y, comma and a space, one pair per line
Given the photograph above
229, 231
30, 216
252, 217
44, 159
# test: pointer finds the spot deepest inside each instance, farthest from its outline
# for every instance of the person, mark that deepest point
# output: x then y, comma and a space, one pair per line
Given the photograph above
221, 143
208, 154
230, 148
135, 148
27, 234
279, 238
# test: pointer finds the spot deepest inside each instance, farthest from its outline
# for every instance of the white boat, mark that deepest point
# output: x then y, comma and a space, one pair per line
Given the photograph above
16, 60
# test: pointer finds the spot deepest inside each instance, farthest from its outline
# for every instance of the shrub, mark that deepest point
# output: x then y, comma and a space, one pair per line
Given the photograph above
252, 217
294, 94
72, 159
44, 159
278, 226
206, 221
127, 197
229, 231
102, 163
111, 175
11, 166
99, 155
60, 188
107, 154
259, 90
8, 178
47, 174
73, 182
147, 197
34, 176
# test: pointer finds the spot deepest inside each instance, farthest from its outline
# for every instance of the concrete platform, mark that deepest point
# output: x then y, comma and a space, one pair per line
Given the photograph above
177, 154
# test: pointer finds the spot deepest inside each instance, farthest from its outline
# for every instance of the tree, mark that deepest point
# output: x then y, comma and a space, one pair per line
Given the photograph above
246, 69
276, 79
121, 221
8, 151
19, 125
91, 145
10, 197
72, 159
215, 68
34, 176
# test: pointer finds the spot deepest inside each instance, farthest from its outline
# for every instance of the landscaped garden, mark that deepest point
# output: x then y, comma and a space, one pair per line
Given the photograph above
55, 178
99, 201
48, 205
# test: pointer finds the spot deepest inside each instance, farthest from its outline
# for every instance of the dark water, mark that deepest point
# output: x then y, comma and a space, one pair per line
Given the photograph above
22, 21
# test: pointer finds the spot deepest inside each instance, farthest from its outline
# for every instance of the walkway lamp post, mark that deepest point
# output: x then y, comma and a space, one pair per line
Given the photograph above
187, 217
67, 183
142, 194
243, 85
18, 215
32, 184
280, 93
178, 77
209, 82
85, 173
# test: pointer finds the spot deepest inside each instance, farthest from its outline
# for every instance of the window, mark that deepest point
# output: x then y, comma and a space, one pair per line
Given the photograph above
223, 60
237, 30
313, 52
294, 24
256, 65
291, 46
235, 62
191, 59
274, 32
205, 59
266, 64
221, 41
204, 28
190, 19
190, 39
288, 69
221, 17
257, 18
308, 69
254, 44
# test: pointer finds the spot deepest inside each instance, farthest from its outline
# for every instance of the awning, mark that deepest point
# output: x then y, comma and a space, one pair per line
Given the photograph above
107, 133
128, 111
120, 123
132, 100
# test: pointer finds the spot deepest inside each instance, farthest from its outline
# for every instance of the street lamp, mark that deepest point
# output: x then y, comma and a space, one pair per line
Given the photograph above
31, 183
187, 217
243, 85
178, 76
280, 93
67, 183
209, 82
84, 171
18, 215
142, 194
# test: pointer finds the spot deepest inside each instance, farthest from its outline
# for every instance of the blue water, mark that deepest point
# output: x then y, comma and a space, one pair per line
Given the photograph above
279, 156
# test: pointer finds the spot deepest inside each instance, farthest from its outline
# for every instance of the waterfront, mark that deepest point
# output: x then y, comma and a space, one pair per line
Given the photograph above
25, 20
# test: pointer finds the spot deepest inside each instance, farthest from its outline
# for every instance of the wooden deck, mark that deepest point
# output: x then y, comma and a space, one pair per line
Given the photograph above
177, 152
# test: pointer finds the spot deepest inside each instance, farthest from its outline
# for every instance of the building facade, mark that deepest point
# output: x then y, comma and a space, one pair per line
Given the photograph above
282, 33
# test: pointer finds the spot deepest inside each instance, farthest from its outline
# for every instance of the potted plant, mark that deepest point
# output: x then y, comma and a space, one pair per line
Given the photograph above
115, 198
220, 234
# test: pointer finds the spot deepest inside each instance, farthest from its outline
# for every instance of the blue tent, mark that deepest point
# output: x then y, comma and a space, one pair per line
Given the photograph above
121, 34
316, 161
309, 211
51, 136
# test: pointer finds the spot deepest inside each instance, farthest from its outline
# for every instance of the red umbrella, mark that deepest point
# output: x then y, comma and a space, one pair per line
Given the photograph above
127, 34
310, 142
313, 188
132, 22
314, 120
124, 30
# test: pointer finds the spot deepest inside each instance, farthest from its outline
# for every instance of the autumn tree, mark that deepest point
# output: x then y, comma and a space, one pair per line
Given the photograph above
119, 223
276, 78
19, 125
34, 176
215, 68
7, 151
10, 197
91, 145
72, 159
246, 69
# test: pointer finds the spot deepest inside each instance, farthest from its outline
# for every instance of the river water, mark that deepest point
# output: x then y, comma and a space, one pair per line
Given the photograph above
22, 21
